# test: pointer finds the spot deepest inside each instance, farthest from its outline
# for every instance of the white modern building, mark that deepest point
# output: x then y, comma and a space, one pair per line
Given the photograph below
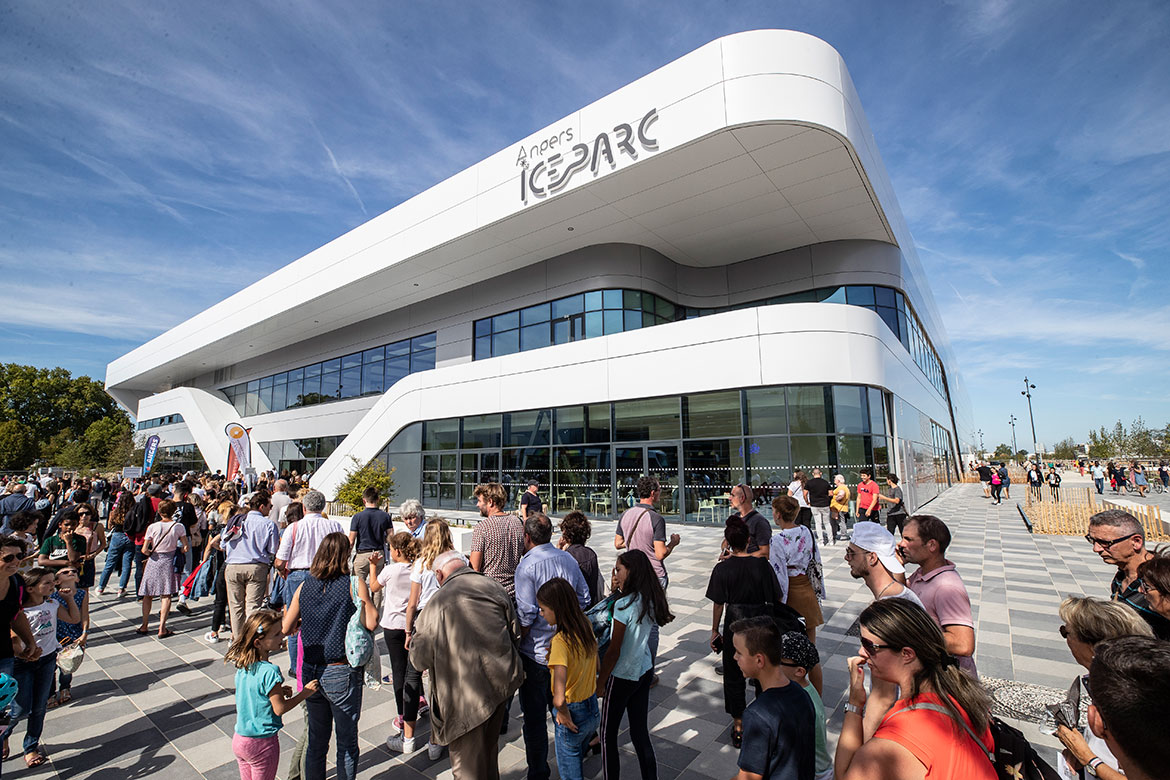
703, 276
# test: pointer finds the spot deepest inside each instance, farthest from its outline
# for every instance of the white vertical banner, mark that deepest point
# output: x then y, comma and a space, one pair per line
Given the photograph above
241, 449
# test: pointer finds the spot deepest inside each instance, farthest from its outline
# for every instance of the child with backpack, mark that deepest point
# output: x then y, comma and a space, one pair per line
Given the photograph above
261, 696
572, 663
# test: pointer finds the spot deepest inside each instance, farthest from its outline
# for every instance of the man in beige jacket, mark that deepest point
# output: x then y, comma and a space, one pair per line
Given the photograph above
468, 638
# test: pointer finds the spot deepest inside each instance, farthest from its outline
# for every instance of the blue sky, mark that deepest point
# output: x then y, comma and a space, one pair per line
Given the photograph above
159, 156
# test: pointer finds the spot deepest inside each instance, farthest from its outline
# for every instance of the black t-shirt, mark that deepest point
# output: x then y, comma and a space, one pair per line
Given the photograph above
984, 473
818, 491
758, 528
185, 514
371, 526
531, 501
8, 609
779, 735
743, 580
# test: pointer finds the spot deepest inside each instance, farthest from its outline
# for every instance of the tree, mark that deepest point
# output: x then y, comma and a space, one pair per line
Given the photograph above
1101, 444
1021, 456
105, 437
18, 449
1066, 449
49, 400
1141, 439
360, 477
1002, 452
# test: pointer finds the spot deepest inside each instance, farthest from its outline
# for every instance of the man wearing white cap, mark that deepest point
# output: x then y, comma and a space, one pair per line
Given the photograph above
871, 556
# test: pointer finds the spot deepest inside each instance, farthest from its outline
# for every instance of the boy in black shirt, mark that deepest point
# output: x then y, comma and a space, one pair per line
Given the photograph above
779, 736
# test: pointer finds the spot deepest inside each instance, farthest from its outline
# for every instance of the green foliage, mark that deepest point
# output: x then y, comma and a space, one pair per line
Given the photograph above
1066, 449
18, 449
1003, 452
359, 477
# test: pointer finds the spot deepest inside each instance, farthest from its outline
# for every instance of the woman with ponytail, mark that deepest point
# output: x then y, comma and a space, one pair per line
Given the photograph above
930, 731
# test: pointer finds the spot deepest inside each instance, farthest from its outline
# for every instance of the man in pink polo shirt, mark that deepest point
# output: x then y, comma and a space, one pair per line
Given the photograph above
936, 583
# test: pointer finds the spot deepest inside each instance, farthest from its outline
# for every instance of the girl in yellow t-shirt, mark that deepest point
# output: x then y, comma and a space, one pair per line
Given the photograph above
572, 662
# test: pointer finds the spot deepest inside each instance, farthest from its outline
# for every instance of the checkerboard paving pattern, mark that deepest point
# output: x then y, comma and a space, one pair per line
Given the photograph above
145, 707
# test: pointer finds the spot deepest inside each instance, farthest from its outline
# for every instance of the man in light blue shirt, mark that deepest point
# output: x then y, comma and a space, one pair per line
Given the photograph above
540, 563
248, 557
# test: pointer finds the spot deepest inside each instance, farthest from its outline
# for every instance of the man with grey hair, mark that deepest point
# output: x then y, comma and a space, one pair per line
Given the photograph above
298, 547
470, 613
1120, 540
14, 501
280, 499
413, 517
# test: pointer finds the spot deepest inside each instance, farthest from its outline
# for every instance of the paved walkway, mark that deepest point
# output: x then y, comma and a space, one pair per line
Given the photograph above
145, 707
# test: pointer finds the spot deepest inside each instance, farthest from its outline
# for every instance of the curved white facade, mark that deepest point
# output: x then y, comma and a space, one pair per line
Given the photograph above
741, 171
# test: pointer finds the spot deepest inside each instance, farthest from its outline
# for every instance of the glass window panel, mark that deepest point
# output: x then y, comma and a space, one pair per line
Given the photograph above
831, 295
570, 425
768, 465
482, 430
766, 411
890, 316
612, 299
594, 324
648, 302
712, 414
613, 321
280, 379
664, 308
296, 375
279, 401
560, 331
804, 296
254, 385
632, 320
649, 419
441, 434
881, 458
632, 300
431, 466
425, 341
529, 428
351, 382
593, 300
506, 321
241, 404
330, 384
311, 392
877, 414
398, 348
808, 409
581, 480
422, 361
853, 454
859, 295
710, 470
521, 465
813, 452
266, 382
483, 327
884, 296
903, 330
331, 365
534, 314
849, 413
375, 355
406, 473
265, 404
372, 378
597, 423
396, 368
483, 347
313, 370
409, 439
574, 304
447, 464
351, 361
535, 336
649, 319
505, 343
899, 301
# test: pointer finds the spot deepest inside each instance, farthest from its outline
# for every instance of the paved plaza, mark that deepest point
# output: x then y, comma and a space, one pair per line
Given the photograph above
144, 707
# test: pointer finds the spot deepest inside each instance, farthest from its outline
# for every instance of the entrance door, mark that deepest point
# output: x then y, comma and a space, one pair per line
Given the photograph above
476, 468
657, 459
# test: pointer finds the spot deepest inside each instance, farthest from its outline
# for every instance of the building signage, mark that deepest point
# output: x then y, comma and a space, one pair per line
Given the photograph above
131, 472
541, 175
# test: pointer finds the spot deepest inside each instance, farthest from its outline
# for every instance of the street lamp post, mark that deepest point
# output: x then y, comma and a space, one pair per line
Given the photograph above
1015, 449
1027, 393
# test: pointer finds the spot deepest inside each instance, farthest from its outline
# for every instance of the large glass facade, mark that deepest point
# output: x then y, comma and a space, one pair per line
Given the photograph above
303, 456
602, 312
370, 372
699, 446
181, 458
156, 422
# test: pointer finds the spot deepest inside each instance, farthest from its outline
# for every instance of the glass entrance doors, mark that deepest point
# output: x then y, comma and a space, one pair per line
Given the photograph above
656, 459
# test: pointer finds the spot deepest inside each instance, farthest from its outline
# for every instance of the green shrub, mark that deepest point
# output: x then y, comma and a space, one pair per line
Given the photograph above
359, 477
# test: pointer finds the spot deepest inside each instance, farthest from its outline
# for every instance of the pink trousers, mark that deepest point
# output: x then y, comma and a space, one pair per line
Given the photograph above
258, 757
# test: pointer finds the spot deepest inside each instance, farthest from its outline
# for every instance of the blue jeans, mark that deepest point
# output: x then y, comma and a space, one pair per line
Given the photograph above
571, 747
139, 567
34, 679
295, 578
535, 703
119, 555
336, 707
1100, 483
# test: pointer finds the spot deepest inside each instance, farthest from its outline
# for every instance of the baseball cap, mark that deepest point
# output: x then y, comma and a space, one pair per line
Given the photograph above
871, 537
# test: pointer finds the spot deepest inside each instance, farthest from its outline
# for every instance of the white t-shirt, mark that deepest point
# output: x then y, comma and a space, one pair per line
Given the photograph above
395, 578
796, 490
425, 577
43, 621
166, 536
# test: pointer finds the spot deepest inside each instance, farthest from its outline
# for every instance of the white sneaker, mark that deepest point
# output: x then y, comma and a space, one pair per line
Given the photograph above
400, 744
434, 752
210, 637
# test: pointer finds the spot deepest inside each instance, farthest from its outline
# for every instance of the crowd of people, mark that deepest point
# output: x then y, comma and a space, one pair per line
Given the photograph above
529, 614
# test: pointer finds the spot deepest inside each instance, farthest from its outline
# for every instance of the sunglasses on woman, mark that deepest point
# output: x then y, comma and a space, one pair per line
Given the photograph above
871, 648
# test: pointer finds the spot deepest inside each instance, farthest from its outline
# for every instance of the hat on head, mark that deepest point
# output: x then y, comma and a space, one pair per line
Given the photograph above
153, 489
796, 646
871, 537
